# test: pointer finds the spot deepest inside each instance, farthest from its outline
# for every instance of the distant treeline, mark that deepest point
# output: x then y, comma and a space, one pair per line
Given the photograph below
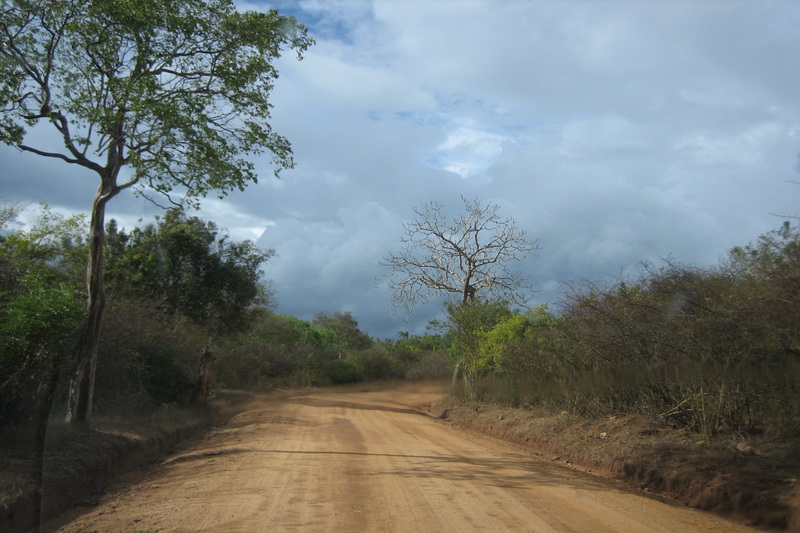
174, 287
716, 350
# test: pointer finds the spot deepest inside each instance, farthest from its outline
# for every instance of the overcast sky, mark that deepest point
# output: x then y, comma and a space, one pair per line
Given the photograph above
613, 132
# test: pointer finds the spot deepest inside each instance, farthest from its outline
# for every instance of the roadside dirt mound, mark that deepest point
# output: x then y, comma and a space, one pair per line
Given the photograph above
744, 480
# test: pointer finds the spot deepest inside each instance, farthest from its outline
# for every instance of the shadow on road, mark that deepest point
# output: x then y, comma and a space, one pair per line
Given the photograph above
320, 402
512, 471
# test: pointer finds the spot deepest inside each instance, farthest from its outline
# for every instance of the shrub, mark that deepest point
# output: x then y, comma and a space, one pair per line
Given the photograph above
373, 364
37, 323
715, 350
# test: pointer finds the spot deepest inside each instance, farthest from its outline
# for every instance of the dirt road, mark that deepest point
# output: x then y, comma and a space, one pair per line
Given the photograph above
368, 462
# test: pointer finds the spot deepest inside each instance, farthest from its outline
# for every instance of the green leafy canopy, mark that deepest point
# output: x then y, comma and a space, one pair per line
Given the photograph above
176, 90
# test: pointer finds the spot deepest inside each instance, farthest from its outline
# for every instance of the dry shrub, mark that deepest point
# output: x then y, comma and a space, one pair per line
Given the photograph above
714, 350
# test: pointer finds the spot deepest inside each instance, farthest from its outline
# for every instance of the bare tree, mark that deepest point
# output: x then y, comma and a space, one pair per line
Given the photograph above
468, 256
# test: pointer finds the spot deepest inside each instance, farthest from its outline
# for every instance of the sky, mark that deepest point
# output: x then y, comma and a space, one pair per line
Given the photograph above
613, 132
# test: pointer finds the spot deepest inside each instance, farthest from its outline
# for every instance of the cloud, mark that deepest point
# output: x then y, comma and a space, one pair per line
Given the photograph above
747, 147
613, 132
330, 264
468, 151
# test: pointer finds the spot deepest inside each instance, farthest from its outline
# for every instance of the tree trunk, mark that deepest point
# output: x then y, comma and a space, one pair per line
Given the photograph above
40, 437
454, 381
467, 290
81, 391
201, 392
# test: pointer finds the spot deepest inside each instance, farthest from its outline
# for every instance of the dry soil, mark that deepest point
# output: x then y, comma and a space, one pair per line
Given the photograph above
369, 461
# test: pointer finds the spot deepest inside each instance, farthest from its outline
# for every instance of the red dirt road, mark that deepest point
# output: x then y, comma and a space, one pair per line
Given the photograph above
368, 462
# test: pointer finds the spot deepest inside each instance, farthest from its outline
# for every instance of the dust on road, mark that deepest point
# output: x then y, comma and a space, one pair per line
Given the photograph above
368, 462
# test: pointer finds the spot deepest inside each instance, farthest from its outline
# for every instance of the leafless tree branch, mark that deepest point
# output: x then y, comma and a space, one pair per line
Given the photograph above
468, 256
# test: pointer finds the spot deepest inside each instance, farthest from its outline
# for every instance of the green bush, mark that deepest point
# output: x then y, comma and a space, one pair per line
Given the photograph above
37, 324
373, 364
146, 360
343, 371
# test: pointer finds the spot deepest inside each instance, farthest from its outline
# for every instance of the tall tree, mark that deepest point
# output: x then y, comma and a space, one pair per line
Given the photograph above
191, 268
468, 256
348, 336
167, 94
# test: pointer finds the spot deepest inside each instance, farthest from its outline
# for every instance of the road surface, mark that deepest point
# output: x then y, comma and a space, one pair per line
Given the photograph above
368, 462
